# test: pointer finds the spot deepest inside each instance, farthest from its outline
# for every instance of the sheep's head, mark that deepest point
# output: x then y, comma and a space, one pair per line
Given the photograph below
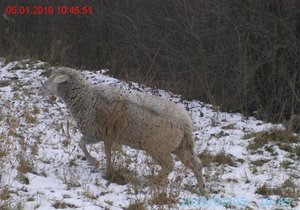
63, 83
51, 86
55, 82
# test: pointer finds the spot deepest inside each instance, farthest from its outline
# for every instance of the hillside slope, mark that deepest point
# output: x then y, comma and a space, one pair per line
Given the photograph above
42, 167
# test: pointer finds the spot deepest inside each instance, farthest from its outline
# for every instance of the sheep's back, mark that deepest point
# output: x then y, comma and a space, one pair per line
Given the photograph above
149, 120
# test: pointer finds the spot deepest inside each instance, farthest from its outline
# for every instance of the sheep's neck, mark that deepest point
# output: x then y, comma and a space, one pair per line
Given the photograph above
78, 100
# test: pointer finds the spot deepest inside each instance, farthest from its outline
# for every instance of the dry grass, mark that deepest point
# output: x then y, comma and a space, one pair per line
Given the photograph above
3, 152
286, 164
70, 181
22, 178
287, 189
34, 149
30, 119
283, 139
25, 165
270, 149
228, 127
260, 162
121, 176
5, 198
63, 205
162, 199
135, 206
275, 135
220, 158
36, 110
90, 195
22, 156
4, 83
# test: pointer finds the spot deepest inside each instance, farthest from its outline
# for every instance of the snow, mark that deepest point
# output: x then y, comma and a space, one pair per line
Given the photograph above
43, 133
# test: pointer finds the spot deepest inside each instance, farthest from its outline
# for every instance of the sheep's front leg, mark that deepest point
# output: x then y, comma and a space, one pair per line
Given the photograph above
82, 144
107, 149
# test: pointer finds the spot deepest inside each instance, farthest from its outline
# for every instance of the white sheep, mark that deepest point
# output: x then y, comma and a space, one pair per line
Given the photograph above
136, 119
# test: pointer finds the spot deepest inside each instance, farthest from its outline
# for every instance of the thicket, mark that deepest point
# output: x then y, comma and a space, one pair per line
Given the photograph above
240, 55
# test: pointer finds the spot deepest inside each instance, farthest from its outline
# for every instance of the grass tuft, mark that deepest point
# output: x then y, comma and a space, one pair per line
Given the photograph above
260, 162
5, 83
121, 176
90, 195
275, 135
228, 127
286, 164
63, 205
36, 110
23, 179
220, 158
30, 119
162, 199
287, 189
24, 166
223, 158
135, 206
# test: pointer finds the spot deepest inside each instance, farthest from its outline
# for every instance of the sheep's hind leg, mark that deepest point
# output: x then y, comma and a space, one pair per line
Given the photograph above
82, 144
188, 158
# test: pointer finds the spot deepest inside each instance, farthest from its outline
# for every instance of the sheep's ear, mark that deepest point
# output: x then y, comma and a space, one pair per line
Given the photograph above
60, 79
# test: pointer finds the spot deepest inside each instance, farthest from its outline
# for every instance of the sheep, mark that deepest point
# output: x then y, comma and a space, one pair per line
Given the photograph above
136, 119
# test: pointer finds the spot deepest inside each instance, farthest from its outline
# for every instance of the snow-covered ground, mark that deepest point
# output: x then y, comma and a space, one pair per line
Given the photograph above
42, 166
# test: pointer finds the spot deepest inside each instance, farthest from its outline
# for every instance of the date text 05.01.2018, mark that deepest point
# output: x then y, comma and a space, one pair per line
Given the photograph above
48, 10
